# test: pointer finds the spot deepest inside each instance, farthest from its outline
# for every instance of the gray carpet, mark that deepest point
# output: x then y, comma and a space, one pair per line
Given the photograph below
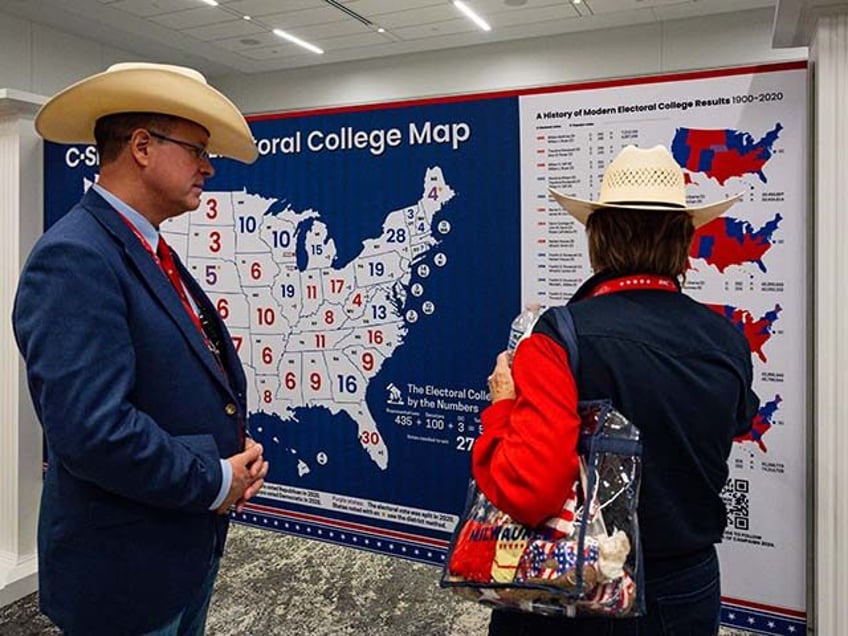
271, 584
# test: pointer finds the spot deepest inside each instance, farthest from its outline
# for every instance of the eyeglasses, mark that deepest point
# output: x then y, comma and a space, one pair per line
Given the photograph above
200, 153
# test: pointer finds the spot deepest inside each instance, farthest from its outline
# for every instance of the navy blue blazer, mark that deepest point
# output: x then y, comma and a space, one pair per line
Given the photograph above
137, 414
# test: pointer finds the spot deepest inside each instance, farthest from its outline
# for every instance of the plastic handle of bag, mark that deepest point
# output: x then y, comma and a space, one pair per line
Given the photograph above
595, 505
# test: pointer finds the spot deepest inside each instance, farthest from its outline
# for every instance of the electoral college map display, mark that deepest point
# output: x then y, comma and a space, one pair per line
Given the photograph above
367, 267
730, 132
369, 264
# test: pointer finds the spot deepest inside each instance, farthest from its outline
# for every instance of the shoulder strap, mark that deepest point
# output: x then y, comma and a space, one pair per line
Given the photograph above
565, 327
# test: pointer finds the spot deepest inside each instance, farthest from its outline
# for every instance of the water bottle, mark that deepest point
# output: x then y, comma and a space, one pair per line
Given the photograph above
522, 326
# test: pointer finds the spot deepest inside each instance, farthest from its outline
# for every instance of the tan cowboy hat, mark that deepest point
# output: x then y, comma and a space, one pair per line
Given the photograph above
640, 179
70, 115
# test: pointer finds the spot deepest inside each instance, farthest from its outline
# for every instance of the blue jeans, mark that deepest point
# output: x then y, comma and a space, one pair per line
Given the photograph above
685, 602
191, 621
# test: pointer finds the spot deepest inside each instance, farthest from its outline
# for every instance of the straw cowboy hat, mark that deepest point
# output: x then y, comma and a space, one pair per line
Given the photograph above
640, 179
70, 115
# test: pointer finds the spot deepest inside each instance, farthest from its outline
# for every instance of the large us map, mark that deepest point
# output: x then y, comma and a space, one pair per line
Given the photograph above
311, 334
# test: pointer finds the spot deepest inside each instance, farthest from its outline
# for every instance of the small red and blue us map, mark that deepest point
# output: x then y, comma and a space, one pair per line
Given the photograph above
757, 331
723, 153
763, 421
727, 241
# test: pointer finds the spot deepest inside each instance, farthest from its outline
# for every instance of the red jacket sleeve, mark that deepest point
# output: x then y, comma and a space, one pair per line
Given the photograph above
525, 461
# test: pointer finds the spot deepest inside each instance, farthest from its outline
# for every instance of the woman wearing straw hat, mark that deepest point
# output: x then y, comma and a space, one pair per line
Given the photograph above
133, 376
678, 371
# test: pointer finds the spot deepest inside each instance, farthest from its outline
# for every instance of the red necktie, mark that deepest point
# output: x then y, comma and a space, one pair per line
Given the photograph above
166, 259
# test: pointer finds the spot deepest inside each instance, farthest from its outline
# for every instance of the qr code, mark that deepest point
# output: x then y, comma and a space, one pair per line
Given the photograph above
735, 497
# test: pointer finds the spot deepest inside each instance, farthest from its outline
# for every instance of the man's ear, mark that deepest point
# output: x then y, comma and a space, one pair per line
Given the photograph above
139, 146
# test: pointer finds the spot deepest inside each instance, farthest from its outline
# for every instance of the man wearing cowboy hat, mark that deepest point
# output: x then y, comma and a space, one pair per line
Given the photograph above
679, 371
134, 377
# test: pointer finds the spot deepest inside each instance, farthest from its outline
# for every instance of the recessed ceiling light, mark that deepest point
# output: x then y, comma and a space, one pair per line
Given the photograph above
476, 19
211, 3
246, 17
381, 30
295, 40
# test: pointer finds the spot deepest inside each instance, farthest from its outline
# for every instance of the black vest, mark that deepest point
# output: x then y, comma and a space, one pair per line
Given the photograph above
682, 374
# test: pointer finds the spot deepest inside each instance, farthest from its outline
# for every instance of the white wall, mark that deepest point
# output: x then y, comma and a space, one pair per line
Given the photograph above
731, 39
41, 60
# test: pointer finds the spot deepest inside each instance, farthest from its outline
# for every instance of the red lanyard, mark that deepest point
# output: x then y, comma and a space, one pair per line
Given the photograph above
634, 282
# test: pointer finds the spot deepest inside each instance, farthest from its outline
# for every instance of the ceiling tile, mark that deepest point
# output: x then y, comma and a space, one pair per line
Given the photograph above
494, 6
258, 8
421, 31
232, 29
254, 40
441, 12
619, 6
369, 8
306, 17
192, 18
146, 8
330, 29
559, 11
495, 12
283, 49
368, 39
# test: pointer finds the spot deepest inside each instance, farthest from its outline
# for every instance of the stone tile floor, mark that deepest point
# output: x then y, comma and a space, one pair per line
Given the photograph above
272, 584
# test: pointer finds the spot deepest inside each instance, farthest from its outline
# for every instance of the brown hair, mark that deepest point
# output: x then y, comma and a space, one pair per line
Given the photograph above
112, 132
629, 241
